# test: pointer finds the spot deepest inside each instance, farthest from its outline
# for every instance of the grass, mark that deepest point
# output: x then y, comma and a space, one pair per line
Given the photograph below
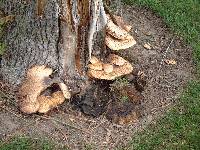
24, 143
2, 49
179, 129
28, 143
181, 15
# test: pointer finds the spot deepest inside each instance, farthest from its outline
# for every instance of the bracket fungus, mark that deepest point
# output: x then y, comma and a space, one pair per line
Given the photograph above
117, 36
120, 22
49, 102
37, 81
116, 31
116, 67
116, 44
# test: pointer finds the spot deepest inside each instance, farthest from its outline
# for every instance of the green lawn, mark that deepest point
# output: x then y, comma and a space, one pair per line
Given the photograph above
24, 143
180, 128
181, 15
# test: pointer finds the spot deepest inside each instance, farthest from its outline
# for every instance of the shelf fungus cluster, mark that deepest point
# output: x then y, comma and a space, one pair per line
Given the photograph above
34, 95
116, 67
117, 38
117, 34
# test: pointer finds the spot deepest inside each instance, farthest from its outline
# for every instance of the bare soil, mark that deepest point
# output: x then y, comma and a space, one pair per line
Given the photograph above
165, 83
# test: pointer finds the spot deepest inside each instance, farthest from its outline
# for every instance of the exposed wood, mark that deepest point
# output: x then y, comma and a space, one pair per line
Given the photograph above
40, 7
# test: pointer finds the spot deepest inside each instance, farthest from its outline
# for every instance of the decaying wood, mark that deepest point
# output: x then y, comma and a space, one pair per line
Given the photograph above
50, 33
49, 46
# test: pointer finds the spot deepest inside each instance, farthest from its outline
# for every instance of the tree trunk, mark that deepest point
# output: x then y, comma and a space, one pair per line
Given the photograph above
51, 33
51, 42
55, 34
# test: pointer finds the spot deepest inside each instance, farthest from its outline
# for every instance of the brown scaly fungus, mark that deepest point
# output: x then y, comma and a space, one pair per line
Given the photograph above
120, 22
49, 102
117, 36
116, 44
31, 88
116, 31
37, 80
116, 67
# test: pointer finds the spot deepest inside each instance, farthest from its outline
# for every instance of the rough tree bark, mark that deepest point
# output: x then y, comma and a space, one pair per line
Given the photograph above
52, 41
57, 34
52, 33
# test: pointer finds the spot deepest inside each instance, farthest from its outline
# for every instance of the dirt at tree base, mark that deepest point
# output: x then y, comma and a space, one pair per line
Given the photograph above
165, 83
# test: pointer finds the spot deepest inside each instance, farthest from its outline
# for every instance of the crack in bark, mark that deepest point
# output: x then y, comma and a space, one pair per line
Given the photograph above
59, 38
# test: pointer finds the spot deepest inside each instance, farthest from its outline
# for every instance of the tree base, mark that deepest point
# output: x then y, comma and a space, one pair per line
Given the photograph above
120, 100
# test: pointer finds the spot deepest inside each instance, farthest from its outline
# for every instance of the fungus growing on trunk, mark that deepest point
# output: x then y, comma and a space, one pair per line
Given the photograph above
47, 62
116, 67
49, 102
121, 23
117, 36
38, 80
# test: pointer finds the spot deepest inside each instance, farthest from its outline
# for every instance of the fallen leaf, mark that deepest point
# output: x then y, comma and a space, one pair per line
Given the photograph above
170, 62
147, 46
148, 33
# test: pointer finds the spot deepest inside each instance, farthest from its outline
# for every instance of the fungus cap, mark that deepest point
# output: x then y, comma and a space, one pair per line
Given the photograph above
108, 68
122, 23
116, 60
49, 102
115, 44
111, 72
116, 31
96, 66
